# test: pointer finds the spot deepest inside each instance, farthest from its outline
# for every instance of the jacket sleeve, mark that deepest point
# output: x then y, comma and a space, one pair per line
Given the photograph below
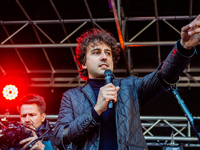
176, 62
75, 129
167, 73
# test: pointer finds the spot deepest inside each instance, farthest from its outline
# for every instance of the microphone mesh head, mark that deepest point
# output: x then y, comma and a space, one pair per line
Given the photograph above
108, 72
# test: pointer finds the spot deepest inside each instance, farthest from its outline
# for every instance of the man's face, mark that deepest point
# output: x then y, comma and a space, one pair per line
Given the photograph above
30, 116
98, 59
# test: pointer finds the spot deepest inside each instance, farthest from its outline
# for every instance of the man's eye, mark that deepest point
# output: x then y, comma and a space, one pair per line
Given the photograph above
108, 53
95, 52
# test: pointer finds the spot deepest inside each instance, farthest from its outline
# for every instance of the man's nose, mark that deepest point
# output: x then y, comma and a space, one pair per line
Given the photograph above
27, 118
103, 56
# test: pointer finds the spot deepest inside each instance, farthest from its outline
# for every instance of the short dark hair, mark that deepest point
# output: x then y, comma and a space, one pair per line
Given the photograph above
93, 36
32, 98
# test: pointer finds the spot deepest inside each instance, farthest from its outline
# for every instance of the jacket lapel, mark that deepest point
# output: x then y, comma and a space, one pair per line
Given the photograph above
87, 89
116, 82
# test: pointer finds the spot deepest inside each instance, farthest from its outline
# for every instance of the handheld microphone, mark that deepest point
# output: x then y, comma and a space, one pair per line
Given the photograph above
108, 74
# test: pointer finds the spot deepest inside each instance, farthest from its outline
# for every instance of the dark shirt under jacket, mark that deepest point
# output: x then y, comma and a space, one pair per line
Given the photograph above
108, 136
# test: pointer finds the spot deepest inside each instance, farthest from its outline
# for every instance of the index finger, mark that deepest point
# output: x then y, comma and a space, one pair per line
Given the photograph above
195, 22
26, 140
110, 85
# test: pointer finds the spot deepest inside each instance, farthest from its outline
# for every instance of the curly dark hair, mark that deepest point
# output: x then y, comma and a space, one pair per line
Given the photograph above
32, 98
93, 36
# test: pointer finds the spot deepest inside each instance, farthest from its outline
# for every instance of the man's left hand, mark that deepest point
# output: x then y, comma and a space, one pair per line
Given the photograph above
190, 34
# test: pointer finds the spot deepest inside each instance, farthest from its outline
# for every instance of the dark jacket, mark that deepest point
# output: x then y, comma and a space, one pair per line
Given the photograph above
76, 107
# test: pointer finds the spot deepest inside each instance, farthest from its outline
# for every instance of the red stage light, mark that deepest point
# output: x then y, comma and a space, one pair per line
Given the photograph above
10, 92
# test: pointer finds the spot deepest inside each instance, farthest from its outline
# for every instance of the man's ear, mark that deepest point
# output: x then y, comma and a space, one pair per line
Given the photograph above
84, 66
43, 117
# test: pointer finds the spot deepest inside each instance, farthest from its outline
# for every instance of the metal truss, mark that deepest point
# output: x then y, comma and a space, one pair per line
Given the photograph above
178, 126
188, 79
172, 129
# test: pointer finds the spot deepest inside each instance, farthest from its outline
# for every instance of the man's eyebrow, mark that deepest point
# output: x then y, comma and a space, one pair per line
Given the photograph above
107, 49
99, 49
94, 49
23, 114
28, 113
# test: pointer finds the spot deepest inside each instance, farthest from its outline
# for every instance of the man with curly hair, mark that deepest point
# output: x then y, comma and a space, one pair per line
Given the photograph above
85, 122
95, 38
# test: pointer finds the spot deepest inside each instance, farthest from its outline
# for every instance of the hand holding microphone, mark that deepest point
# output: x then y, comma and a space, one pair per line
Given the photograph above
107, 94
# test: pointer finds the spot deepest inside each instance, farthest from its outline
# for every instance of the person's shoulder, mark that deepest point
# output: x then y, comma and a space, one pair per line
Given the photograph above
72, 90
126, 79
